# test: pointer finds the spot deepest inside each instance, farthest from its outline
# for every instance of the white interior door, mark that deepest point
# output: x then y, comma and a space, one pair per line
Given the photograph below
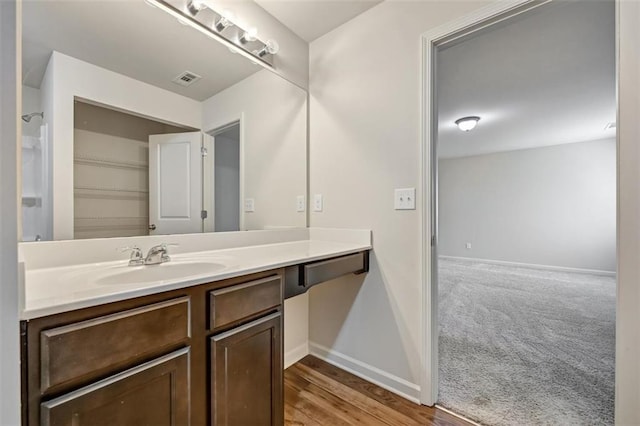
175, 183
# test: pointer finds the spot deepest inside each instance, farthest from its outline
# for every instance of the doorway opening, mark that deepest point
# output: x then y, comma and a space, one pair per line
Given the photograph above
225, 179
521, 279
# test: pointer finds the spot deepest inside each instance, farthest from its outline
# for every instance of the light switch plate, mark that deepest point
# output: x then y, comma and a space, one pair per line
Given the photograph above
405, 199
249, 205
317, 203
300, 204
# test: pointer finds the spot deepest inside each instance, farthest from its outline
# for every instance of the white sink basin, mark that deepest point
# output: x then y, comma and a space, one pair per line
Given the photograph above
153, 273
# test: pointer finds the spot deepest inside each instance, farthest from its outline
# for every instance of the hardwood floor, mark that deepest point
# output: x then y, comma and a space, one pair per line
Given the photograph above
317, 393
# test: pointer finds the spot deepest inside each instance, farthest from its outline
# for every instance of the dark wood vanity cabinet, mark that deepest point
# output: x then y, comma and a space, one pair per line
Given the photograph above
208, 354
154, 393
246, 385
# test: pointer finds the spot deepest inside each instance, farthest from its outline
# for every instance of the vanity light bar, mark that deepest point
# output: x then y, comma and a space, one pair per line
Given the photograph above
240, 47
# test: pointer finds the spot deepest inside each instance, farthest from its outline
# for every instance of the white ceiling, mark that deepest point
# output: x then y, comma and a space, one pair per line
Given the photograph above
310, 19
131, 38
545, 79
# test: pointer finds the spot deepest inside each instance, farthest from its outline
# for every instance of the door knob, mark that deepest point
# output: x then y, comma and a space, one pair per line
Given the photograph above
152, 227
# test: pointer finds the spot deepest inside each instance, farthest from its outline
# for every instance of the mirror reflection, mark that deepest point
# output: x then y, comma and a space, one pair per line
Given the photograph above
135, 124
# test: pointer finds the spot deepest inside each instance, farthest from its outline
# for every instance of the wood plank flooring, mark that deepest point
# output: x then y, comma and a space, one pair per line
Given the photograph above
318, 394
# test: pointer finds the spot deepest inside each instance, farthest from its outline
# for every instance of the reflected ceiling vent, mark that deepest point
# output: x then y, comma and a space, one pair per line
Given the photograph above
186, 78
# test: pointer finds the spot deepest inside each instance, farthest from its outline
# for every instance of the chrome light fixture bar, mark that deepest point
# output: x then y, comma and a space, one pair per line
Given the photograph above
221, 28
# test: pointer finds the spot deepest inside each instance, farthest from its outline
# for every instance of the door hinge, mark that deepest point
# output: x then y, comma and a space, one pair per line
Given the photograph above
203, 214
204, 151
433, 241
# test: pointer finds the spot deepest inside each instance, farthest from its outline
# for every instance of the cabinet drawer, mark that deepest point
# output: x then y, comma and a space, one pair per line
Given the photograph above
154, 393
232, 304
101, 345
317, 272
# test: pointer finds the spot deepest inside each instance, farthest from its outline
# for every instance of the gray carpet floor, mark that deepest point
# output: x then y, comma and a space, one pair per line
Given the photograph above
522, 346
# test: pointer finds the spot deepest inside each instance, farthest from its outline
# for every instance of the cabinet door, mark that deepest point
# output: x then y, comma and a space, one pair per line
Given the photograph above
246, 374
155, 393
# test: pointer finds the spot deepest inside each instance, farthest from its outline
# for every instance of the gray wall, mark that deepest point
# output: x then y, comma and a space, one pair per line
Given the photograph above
227, 180
551, 206
10, 14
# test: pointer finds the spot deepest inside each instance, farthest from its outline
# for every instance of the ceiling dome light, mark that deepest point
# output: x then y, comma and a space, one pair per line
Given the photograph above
466, 124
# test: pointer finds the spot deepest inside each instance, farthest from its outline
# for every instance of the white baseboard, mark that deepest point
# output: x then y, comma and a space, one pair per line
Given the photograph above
533, 266
296, 354
397, 385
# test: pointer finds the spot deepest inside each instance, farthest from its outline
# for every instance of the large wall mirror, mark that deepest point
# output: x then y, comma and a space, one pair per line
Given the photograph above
135, 124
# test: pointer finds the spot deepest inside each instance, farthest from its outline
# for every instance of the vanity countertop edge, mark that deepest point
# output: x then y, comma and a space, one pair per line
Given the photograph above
241, 261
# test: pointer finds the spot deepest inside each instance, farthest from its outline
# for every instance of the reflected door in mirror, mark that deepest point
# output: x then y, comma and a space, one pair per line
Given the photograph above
175, 183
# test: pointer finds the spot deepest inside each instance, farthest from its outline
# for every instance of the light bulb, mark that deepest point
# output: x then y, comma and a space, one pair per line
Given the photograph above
272, 47
249, 35
467, 124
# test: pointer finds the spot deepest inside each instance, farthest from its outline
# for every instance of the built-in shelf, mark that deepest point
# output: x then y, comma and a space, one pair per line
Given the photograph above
119, 164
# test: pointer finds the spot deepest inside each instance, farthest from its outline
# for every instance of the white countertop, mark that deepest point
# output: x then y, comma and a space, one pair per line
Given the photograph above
51, 290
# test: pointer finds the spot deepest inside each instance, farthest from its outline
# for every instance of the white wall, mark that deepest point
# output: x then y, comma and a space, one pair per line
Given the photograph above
10, 18
273, 136
365, 141
628, 312
296, 329
66, 78
552, 206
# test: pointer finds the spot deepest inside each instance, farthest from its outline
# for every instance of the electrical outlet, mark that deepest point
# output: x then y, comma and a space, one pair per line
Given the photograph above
249, 205
300, 204
405, 199
468, 245
317, 203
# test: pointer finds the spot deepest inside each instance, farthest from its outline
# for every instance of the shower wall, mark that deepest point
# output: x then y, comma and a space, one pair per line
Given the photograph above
34, 169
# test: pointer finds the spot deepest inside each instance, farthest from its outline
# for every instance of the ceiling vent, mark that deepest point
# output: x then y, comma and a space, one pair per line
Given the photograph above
186, 78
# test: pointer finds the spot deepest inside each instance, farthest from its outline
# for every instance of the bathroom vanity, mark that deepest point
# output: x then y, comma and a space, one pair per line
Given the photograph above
197, 348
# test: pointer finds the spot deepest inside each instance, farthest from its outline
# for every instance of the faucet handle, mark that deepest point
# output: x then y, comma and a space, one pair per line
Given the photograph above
166, 246
133, 249
165, 255
136, 257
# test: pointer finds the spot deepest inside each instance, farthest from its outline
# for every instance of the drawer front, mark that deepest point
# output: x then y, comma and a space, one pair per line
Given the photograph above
315, 273
246, 366
154, 393
232, 304
101, 345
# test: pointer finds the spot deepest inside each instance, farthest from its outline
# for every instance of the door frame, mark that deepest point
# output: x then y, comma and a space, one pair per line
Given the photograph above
430, 41
213, 127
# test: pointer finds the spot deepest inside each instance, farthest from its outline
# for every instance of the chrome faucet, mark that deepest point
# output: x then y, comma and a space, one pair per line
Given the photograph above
136, 258
158, 254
